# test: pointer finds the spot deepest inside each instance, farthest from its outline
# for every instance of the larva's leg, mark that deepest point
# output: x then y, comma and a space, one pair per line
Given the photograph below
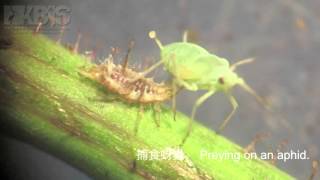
139, 116
199, 101
157, 111
234, 108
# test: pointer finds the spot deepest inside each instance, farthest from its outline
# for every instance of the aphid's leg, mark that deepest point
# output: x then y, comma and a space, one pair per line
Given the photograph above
174, 100
234, 108
157, 111
199, 101
174, 89
139, 116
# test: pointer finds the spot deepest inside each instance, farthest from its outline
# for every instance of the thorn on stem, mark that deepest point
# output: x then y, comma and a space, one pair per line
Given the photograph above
77, 44
37, 30
61, 30
315, 169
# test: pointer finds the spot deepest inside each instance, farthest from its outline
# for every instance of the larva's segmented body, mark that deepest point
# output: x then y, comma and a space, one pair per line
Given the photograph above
118, 80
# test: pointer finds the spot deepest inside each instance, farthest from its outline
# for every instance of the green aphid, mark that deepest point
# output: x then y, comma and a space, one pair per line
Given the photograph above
194, 68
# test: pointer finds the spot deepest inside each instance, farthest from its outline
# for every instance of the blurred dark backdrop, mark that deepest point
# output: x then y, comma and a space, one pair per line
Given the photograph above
283, 36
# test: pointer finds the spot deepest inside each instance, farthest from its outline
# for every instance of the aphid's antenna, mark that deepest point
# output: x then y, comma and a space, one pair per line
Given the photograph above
247, 88
266, 105
153, 35
185, 36
244, 61
126, 59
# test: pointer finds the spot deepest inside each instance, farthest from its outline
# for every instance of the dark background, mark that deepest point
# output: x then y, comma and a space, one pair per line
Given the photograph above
283, 36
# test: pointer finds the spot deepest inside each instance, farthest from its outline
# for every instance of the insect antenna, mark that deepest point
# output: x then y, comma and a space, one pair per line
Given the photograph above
126, 59
153, 35
247, 88
244, 61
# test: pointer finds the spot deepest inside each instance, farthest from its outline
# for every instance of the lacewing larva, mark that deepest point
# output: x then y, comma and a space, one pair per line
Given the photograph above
117, 79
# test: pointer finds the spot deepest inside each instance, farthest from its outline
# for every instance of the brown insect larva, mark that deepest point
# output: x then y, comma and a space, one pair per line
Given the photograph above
118, 79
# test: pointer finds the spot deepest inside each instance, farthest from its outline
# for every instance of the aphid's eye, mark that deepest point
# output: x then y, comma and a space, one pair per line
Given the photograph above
221, 80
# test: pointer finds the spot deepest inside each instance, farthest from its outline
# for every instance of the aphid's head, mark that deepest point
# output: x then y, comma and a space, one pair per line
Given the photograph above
230, 79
